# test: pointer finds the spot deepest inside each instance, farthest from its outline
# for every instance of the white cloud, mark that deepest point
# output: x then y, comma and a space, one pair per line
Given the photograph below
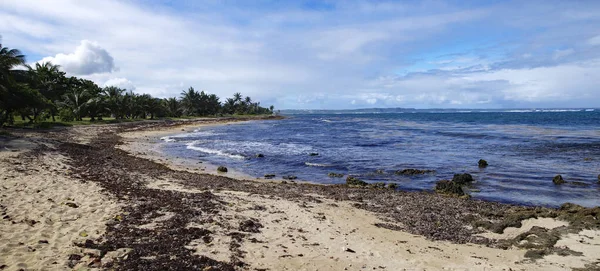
349, 56
594, 41
88, 58
123, 83
562, 53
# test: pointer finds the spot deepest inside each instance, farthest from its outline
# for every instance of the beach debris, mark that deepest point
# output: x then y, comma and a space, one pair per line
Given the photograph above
250, 225
353, 181
269, 176
289, 177
314, 154
482, 163
222, 169
347, 249
83, 234
73, 260
340, 175
449, 187
412, 171
72, 205
558, 179
260, 155
461, 179
43, 241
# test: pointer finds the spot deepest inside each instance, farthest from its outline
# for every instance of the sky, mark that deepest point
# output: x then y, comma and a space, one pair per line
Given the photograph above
324, 54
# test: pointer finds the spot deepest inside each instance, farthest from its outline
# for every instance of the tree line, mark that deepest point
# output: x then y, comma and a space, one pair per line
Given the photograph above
42, 91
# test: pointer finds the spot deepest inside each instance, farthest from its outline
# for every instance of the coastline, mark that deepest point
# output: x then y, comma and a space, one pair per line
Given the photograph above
277, 226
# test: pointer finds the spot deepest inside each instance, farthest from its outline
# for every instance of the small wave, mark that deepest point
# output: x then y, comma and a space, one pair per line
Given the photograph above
317, 165
168, 139
589, 110
326, 120
190, 146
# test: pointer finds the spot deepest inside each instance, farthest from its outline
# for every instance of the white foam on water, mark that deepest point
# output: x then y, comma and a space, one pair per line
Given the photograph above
190, 146
317, 165
168, 139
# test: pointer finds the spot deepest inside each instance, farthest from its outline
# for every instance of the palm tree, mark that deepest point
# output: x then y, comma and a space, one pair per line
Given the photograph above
173, 107
229, 106
9, 59
75, 100
49, 81
190, 101
114, 100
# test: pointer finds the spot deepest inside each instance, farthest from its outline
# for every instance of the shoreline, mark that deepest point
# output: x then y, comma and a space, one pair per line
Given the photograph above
172, 218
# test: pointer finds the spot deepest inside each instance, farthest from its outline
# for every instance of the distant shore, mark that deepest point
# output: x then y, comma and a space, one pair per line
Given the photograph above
126, 208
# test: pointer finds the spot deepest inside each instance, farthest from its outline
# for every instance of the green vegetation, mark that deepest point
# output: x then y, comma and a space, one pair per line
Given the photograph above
44, 96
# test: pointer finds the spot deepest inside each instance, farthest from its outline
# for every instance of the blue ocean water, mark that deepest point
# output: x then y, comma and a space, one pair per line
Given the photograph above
524, 149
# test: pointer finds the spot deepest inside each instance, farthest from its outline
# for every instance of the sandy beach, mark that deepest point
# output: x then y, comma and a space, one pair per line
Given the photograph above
102, 197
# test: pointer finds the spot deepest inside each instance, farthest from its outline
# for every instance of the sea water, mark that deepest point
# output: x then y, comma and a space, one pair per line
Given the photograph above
525, 149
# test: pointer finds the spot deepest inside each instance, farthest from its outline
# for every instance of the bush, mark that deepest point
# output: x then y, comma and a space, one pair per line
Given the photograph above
66, 115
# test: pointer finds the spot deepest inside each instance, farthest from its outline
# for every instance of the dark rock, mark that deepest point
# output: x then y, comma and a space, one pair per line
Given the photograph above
598, 178
461, 179
260, 155
313, 154
380, 171
377, 185
558, 179
250, 226
290, 177
349, 250
43, 241
448, 187
412, 171
579, 183
335, 175
355, 182
269, 176
482, 163
392, 186
72, 205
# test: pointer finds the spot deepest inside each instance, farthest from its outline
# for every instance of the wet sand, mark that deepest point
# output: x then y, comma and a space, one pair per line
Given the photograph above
138, 211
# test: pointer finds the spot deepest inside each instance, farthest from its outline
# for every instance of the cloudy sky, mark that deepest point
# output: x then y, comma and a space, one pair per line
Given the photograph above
324, 54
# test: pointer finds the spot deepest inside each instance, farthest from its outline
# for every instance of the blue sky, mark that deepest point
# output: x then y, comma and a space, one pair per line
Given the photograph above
324, 54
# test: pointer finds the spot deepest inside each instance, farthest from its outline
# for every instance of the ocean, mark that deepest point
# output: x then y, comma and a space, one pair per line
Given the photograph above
525, 149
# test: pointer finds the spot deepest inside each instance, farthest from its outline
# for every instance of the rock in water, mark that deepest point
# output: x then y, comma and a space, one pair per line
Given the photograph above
482, 163
412, 171
260, 155
448, 187
290, 177
355, 181
392, 186
335, 175
598, 178
461, 179
314, 154
269, 176
222, 169
558, 179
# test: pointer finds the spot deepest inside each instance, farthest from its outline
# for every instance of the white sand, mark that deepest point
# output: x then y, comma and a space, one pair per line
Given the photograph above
38, 227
